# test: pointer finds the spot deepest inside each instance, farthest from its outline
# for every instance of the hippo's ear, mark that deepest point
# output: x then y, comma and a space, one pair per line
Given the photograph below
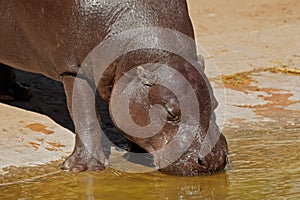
147, 77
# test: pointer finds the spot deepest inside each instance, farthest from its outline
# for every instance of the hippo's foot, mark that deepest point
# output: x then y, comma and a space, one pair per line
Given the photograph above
81, 160
16, 91
192, 163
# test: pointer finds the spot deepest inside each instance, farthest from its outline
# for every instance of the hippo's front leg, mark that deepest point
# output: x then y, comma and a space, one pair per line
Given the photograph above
88, 153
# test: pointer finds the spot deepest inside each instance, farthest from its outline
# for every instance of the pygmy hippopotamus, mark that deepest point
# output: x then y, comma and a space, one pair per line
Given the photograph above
54, 37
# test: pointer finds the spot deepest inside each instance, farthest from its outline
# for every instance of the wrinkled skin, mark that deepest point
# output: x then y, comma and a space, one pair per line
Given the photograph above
53, 37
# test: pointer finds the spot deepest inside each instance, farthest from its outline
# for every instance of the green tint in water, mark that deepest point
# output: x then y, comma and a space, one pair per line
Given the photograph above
264, 165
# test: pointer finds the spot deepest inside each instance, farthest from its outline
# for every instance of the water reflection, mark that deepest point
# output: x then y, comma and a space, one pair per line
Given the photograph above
119, 185
112, 184
264, 164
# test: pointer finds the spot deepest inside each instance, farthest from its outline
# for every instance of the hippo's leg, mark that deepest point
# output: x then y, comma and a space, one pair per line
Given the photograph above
10, 89
88, 153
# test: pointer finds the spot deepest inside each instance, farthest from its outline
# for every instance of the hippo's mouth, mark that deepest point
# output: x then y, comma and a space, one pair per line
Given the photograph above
191, 163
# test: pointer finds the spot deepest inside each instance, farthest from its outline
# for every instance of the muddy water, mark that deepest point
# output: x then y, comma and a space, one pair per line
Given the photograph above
263, 164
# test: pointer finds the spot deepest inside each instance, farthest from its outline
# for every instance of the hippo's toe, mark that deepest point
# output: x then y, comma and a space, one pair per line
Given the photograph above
81, 160
78, 164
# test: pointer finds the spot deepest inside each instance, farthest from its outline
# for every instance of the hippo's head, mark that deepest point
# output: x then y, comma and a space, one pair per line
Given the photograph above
171, 118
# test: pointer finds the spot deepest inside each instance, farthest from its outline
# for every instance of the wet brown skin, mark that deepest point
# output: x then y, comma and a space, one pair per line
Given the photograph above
53, 38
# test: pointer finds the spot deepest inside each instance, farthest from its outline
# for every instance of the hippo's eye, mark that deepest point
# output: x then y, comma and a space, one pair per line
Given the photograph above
173, 110
171, 116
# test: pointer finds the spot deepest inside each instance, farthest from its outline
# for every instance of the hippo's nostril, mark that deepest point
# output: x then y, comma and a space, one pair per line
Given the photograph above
200, 162
225, 159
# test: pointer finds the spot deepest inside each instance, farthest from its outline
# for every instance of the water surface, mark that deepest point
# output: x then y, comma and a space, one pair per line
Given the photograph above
263, 165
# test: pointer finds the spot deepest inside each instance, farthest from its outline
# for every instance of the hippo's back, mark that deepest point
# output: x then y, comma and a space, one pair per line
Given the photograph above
53, 37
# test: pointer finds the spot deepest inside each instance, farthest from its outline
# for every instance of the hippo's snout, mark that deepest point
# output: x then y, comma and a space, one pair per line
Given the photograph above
191, 163
214, 161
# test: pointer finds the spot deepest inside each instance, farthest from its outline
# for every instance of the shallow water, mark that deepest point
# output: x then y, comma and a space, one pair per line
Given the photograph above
263, 165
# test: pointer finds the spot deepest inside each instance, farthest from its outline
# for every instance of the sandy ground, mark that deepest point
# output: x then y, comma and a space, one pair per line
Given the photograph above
251, 47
